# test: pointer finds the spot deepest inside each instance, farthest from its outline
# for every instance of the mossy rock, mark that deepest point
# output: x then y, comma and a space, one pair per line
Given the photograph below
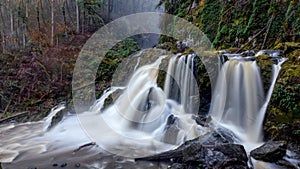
294, 56
265, 63
279, 125
283, 114
288, 47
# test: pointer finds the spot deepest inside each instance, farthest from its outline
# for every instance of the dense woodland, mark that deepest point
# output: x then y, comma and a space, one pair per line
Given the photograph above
43, 23
45, 36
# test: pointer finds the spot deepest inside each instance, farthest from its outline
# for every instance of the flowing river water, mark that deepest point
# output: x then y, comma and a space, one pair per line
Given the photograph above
143, 118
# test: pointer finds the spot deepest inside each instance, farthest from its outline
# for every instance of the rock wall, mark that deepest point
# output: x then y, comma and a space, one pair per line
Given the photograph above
258, 24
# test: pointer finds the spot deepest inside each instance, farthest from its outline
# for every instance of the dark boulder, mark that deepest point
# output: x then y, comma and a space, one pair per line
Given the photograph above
194, 154
285, 164
224, 156
188, 151
220, 136
271, 151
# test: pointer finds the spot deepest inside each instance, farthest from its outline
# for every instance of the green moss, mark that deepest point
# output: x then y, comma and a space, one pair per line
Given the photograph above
111, 61
210, 18
265, 63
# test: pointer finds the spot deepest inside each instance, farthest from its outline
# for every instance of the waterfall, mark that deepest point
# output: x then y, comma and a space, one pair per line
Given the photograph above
146, 114
180, 84
143, 119
239, 102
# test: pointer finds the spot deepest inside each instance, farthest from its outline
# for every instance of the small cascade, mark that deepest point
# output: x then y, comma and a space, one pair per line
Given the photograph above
239, 96
180, 84
239, 103
145, 113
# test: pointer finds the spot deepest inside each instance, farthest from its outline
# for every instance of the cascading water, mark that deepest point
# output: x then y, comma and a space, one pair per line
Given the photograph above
239, 103
146, 112
239, 96
180, 84
144, 119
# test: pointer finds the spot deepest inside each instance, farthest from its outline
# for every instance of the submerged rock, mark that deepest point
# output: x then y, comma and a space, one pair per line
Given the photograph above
271, 151
195, 154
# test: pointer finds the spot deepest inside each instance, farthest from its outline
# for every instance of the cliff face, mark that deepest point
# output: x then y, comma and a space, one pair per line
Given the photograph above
258, 24
249, 24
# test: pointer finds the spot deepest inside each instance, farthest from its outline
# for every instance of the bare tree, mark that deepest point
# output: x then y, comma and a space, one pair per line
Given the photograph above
77, 17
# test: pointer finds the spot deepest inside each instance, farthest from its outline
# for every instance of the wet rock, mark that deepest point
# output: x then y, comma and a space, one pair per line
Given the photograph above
177, 166
271, 151
202, 120
288, 46
181, 47
220, 136
77, 165
57, 118
63, 165
225, 156
248, 53
285, 164
85, 145
187, 151
195, 154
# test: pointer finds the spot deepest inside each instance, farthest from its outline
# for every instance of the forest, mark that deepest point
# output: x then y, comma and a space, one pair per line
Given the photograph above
257, 44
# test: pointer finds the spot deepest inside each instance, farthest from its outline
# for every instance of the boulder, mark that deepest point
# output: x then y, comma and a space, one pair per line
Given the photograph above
224, 156
221, 136
285, 164
189, 151
194, 154
271, 151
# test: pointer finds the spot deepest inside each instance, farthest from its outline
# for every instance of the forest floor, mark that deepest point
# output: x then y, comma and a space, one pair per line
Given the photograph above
35, 80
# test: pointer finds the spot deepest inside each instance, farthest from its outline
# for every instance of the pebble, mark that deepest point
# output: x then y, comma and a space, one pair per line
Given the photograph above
77, 165
64, 165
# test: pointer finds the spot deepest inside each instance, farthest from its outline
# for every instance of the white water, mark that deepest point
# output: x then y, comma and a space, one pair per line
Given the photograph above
142, 121
239, 103
144, 115
180, 83
146, 120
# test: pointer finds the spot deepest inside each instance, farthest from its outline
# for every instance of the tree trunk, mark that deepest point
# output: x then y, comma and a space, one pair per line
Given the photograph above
11, 19
77, 18
38, 16
83, 20
26, 8
3, 42
2, 30
52, 23
69, 13
64, 16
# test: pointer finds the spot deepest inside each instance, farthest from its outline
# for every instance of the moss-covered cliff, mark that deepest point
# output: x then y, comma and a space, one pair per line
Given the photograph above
258, 24
248, 24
